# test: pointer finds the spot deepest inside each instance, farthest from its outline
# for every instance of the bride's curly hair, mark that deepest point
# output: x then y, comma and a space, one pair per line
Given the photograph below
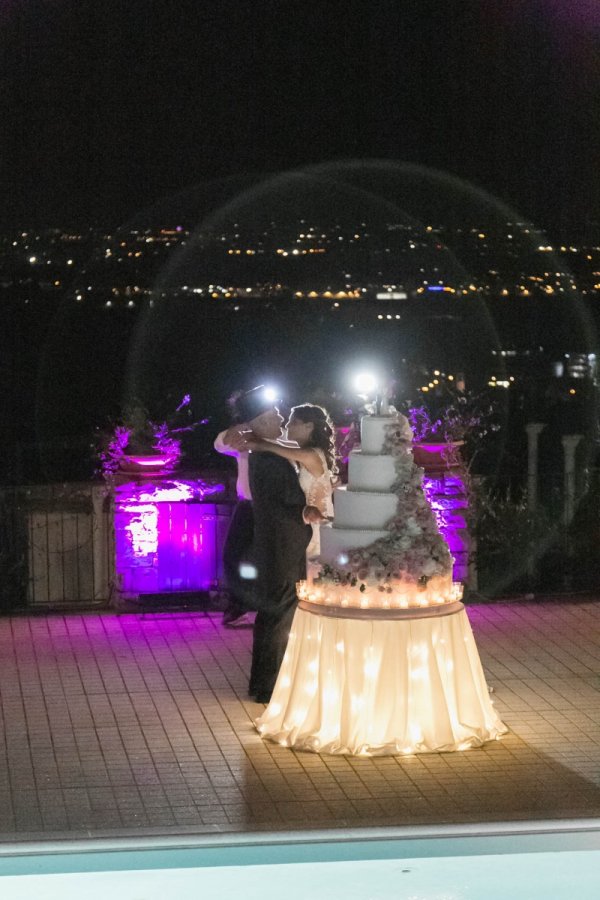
323, 433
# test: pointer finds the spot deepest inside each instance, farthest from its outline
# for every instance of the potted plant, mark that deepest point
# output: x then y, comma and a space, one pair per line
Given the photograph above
436, 443
440, 434
140, 445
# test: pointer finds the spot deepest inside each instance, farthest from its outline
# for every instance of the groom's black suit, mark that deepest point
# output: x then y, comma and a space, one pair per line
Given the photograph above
280, 541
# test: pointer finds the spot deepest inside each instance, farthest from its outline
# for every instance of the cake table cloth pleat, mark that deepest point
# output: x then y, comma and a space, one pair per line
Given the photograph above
377, 687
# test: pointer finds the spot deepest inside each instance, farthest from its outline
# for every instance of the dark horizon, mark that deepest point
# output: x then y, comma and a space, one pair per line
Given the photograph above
109, 109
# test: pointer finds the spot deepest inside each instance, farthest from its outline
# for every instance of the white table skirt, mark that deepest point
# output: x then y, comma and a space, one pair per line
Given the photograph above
369, 687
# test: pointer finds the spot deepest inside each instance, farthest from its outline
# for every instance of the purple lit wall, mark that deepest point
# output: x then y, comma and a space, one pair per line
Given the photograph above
165, 536
448, 499
445, 490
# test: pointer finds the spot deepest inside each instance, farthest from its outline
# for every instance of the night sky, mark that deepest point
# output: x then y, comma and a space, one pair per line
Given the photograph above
107, 107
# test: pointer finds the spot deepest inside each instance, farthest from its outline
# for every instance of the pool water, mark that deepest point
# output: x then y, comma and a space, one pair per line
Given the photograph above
517, 861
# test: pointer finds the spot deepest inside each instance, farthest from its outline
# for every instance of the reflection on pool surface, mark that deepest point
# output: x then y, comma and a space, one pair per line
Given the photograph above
516, 861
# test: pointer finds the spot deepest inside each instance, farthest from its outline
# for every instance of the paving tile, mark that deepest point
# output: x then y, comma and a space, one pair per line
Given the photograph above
114, 724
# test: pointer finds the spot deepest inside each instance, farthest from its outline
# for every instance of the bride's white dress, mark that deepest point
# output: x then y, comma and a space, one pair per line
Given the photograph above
318, 492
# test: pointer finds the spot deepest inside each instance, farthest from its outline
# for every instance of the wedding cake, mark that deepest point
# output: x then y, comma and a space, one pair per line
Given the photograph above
384, 550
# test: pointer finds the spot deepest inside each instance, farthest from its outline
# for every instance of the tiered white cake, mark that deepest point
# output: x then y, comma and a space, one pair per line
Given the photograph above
384, 550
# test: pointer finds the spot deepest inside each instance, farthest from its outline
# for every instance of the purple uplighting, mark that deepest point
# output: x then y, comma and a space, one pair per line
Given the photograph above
447, 497
153, 462
446, 493
165, 537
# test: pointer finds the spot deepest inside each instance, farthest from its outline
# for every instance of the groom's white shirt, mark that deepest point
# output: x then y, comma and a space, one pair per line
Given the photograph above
243, 480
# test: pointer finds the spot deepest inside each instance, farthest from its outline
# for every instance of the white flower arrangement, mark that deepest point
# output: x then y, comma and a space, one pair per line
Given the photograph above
414, 550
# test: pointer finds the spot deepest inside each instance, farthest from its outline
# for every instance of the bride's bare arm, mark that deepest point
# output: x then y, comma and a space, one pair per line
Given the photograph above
307, 456
312, 515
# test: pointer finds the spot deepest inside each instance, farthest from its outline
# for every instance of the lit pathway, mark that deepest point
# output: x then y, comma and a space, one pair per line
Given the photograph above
113, 723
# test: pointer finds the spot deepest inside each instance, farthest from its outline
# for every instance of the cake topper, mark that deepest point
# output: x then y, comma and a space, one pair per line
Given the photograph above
368, 385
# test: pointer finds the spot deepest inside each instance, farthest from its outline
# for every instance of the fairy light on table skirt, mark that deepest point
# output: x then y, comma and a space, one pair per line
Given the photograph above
438, 592
309, 601
369, 680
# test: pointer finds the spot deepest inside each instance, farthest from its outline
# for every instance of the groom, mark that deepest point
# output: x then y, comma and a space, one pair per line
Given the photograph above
280, 540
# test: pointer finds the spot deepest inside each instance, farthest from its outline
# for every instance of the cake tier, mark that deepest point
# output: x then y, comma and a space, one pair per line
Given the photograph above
362, 509
339, 542
402, 594
370, 472
373, 432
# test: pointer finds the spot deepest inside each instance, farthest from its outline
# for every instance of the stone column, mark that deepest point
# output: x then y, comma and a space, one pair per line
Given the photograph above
533, 429
570, 443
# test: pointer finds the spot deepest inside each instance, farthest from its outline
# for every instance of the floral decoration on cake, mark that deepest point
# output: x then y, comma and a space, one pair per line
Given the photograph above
414, 550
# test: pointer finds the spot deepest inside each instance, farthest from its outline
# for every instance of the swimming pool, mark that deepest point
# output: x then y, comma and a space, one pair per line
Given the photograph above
520, 861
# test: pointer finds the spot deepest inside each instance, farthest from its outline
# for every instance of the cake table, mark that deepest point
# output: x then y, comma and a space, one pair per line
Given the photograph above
399, 681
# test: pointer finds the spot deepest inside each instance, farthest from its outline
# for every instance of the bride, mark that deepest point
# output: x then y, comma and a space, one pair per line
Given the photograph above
310, 446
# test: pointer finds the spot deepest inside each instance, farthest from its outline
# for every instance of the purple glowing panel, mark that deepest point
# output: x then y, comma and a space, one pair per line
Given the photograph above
447, 497
172, 490
165, 540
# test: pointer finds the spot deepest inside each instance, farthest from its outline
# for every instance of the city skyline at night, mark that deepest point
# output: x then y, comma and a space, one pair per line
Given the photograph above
189, 188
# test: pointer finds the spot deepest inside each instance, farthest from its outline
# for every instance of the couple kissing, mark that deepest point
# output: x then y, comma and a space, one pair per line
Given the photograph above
285, 483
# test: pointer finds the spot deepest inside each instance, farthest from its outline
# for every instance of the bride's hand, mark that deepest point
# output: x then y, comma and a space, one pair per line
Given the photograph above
237, 438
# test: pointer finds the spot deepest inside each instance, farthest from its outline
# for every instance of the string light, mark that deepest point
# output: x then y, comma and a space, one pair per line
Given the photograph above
439, 591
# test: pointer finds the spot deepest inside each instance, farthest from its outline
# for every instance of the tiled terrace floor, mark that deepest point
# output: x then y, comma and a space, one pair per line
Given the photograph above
113, 724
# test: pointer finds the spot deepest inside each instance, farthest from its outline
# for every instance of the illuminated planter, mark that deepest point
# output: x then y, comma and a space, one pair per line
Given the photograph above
438, 456
146, 465
166, 536
445, 490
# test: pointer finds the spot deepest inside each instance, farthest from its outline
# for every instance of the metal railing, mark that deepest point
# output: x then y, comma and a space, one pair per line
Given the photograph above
57, 545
